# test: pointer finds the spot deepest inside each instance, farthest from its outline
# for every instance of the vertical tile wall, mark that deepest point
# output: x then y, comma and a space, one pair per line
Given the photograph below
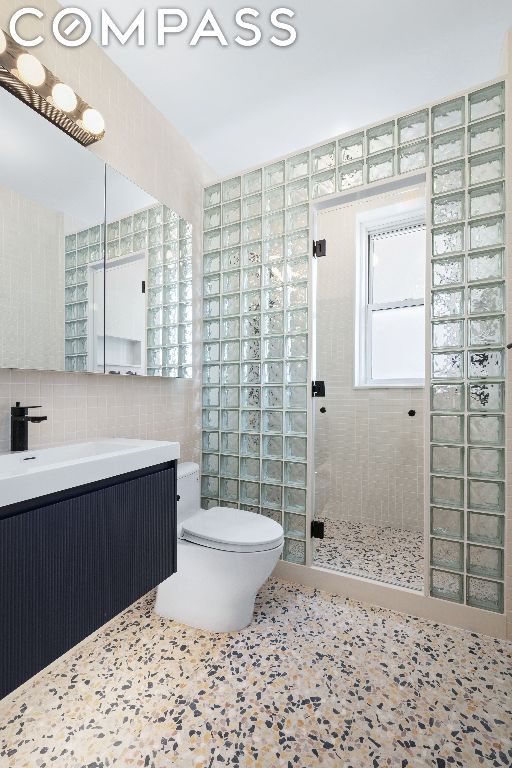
167, 240
468, 355
256, 246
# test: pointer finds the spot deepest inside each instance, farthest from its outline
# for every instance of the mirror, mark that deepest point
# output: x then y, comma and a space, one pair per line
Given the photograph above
95, 274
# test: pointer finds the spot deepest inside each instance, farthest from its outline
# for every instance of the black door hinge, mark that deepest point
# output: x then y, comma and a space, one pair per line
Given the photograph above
318, 389
143, 286
317, 529
319, 248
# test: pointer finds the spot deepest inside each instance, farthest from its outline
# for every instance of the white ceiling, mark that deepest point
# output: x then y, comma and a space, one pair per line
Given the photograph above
355, 62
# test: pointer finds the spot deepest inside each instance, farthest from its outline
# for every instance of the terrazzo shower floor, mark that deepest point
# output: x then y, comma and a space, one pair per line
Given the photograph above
316, 680
391, 555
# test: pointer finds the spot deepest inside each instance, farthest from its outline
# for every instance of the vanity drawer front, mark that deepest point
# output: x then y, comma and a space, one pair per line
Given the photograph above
68, 567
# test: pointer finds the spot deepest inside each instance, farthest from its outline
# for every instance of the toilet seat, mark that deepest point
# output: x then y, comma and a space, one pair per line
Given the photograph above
232, 530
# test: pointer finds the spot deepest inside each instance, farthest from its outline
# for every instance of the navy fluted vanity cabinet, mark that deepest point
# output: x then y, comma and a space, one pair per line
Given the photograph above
71, 561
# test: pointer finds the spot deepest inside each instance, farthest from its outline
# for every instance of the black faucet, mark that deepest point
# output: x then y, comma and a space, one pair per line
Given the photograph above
19, 425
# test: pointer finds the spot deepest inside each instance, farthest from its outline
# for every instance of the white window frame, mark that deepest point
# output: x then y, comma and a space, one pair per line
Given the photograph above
398, 216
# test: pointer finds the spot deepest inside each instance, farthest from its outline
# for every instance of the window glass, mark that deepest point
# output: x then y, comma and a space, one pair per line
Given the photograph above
398, 343
397, 265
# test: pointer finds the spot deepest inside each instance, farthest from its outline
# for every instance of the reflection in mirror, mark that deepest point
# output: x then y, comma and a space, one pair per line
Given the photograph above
148, 284
50, 189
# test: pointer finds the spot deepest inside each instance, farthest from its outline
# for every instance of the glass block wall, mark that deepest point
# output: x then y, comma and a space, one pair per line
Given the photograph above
257, 245
167, 240
468, 350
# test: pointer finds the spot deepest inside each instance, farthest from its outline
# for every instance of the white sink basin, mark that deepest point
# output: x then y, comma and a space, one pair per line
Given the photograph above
31, 474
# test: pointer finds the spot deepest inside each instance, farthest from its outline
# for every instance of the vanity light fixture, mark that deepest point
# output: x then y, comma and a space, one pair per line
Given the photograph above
23, 75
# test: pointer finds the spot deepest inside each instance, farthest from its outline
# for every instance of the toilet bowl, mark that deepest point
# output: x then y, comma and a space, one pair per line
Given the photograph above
224, 557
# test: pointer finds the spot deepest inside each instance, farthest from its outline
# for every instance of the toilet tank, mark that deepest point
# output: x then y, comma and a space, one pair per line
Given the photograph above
189, 496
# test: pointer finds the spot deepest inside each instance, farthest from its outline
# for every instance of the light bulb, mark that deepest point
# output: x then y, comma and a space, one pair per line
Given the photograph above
30, 70
64, 97
3, 42
93, 121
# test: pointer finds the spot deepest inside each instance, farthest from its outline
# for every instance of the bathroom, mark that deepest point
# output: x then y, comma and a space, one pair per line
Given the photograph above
227, 309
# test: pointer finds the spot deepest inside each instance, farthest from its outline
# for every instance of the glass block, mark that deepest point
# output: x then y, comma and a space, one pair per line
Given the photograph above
252, 278
271, 496
231, 258
272, 421
296, 423
297, 193
211, 240
487, 200
252, 254
274, 224
448, 303
251, 373
294, 551
231, 235
273, 249
486, 135
211, 441
351, 175
296, 397
447, 554
272, 471
449, 333
297, 271
251, 326
486, 529
296, 295
487, 101
273, 397
447, 429
447, 365
447, 586
297, 218
484, 363
296, 448
448, 240
211, 285
272, 448
447, 491
273, 324
412, 157
295, 500
230, 374
487, 233
351, 148
250, 469
251, 349
274, 200
274, 174
211, 352
211, 396
448, 523
447, 459
323, 158
323, 184
486, 462
230, 350
251, 230
486, 495
485, 265
448, 178
251, 397
229, 442
273, 274
231, 305
296, 346
486, 331
231, 328
249, 492
252, 206
486, 430
413, 127
231, 189
447, 397
296, 372
273, 299
486, 396
448, 146
295, 474
484, 594
212, 195
380, 137
229, 466
210, 486
250, 445
230, 397
230, 421
229, 489
297, 244
212, 218
297, 166
487, 167
448, 115
381, 167
448, 209
295, 524
448, 271
273, 347
252, 182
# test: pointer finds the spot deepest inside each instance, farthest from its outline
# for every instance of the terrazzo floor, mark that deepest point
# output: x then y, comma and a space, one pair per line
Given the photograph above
316, 680
391, 555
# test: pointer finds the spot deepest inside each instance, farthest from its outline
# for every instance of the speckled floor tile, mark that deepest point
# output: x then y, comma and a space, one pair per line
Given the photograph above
316, 680
390, 555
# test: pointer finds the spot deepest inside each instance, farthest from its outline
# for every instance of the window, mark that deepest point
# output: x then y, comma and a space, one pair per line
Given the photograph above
391, 325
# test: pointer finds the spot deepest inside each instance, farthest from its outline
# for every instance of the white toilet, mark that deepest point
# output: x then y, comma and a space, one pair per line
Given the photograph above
224, 556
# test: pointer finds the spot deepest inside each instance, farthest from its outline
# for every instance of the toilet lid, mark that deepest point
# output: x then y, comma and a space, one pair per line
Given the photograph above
232, 530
